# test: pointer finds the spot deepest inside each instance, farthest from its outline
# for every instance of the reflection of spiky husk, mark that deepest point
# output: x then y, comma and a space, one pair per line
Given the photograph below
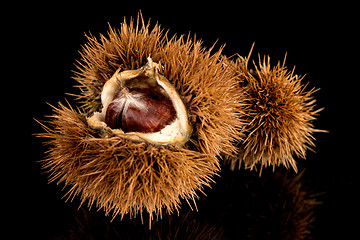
275, 205
279, 116
284, 208
185, 225
128, 177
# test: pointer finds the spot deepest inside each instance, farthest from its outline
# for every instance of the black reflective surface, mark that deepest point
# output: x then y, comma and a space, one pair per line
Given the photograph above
320, 41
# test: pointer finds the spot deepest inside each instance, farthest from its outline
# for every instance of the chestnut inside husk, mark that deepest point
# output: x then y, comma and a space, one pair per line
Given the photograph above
152, 113
142, 105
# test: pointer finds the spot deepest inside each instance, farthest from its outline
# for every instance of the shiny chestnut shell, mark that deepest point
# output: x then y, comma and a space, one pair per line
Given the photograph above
158, 113
145, 89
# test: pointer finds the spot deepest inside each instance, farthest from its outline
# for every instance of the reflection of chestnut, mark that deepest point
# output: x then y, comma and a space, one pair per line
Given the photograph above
144, 111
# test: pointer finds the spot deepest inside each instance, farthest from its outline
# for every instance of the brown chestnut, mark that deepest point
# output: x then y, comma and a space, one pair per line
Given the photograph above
141, 110
143, 105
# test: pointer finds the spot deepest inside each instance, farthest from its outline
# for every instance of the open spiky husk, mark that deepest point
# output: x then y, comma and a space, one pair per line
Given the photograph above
123, 176
279, 116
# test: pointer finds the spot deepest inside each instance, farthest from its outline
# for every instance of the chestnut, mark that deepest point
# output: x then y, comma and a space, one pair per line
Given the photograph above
145, 110
143, 105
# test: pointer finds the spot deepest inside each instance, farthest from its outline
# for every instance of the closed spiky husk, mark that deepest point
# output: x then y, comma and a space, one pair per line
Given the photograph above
279, 116
123, 176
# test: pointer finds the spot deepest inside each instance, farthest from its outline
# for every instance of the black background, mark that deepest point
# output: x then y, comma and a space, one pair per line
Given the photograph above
42, 42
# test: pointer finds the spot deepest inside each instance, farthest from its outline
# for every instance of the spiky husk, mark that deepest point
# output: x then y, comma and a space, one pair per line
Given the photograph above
279, 116
121, 176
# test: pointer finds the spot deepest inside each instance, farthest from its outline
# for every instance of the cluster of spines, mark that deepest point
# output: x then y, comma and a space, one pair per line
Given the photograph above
260, 117
279, 115
121, 176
